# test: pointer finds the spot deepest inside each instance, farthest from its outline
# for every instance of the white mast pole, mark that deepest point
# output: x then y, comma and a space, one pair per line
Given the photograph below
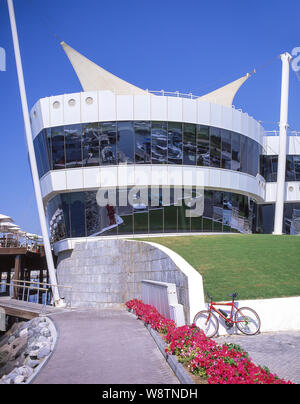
283, 125
32, 158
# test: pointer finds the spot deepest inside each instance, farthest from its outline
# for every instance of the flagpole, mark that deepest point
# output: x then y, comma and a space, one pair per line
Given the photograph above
283, 125
32, 157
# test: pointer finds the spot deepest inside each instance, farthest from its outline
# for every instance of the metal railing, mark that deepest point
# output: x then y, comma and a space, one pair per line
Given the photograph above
173, 94
22, 290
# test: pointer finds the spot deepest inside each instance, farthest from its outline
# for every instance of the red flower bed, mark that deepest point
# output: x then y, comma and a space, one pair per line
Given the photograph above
219, 364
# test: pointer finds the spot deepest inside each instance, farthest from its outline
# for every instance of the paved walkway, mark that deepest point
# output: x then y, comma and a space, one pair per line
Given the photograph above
279, 351
104, 347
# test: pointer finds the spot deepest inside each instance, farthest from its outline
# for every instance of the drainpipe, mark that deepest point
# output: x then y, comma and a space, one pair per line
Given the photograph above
32, 157
283, 125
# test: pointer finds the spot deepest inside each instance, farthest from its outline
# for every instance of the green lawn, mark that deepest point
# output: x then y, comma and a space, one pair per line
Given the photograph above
256, 266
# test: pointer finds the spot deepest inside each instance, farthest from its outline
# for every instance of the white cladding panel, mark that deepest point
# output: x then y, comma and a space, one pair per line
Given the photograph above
104, 106
146, 175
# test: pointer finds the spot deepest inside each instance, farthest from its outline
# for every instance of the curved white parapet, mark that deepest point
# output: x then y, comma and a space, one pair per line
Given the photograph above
101, 106
195, 283
92, 178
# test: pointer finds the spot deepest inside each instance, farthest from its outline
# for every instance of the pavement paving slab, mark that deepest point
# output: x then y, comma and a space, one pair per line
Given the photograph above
279, 351
104, 347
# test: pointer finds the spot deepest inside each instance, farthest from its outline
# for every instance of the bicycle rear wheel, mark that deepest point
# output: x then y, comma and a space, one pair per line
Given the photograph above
208, 323
248, 321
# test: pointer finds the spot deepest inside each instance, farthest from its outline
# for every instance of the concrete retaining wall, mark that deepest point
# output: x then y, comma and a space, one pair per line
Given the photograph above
107, 273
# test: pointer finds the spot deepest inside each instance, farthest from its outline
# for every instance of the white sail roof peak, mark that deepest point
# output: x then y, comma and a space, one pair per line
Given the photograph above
93, 77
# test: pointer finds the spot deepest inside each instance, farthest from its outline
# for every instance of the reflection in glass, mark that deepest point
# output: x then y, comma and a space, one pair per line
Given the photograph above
159, 143
227, 209
58, 148
215, 147
297, 167
290, 169
203, 158
235, 151
144, 142
208, 211
77, 214
56, 219
156, 211
125, 144
142, 131
42, 153
108, 140
244, 154
189, 144
174, 143
73, 146
217, 211
90, 144
226, 149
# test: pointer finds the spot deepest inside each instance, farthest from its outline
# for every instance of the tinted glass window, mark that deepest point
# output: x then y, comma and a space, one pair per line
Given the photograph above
108, 140
124, 213
174, 143
58, 148
235, 152
215, 147
208, 211
156, 211
226, 149
203, 146
56, 219
244, 154
92, 214
274, 167
217, 211
159, 143
125, 142
290, 169
77, 214
297, 167
189, 144
90, 144
73, 146
142, 150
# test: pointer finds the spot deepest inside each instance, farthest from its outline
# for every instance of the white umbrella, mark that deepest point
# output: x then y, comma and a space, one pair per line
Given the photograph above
4, 218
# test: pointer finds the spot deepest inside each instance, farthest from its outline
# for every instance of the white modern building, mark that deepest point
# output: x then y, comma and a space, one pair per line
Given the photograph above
116, 137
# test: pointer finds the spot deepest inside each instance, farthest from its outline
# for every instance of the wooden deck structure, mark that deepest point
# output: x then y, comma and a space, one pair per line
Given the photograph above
26, 310
21, 261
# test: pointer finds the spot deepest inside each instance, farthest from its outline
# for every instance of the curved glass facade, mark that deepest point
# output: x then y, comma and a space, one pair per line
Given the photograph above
78, 214
144, 142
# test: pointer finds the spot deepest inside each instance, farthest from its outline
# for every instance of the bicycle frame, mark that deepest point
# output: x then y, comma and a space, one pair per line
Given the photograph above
229, 319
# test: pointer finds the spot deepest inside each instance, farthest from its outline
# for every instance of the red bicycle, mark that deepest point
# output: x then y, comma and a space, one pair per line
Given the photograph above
245, 319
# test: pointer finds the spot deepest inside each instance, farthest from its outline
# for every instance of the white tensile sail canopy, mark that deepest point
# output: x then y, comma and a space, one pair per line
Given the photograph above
225, 95
93, 77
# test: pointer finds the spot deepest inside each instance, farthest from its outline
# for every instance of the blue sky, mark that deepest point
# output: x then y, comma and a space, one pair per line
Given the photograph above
190, 46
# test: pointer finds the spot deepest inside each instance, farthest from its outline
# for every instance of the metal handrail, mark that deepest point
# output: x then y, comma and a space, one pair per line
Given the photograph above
45, 284
173, 94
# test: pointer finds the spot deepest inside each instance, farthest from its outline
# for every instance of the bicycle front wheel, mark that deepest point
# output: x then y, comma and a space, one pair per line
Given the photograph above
247, 321
207, 322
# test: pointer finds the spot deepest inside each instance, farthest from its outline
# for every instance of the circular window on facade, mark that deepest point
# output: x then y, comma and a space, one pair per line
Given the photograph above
291, 189
56, 104
89, 100
72, 102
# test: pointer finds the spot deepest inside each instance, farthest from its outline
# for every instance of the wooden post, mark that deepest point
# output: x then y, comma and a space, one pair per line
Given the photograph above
18, 264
